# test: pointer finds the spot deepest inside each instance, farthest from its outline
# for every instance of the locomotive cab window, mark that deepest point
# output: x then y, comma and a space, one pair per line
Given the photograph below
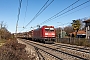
46, 29
52, 29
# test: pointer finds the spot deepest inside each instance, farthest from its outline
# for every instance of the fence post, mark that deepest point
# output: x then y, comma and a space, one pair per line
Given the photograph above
56, 39
69, 39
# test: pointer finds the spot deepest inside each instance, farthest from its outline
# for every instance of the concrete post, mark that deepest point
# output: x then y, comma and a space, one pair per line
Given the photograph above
61, 33
86, 33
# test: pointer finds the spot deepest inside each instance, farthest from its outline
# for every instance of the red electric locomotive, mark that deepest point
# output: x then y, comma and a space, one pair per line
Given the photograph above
44, 34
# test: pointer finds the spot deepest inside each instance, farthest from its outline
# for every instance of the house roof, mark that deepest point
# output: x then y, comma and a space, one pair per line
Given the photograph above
87, 21
80, 32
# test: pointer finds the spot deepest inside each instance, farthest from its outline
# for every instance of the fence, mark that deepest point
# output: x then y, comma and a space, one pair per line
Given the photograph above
74, 41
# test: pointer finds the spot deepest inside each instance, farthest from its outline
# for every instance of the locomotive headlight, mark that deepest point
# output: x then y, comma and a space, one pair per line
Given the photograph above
46, 33
53, 34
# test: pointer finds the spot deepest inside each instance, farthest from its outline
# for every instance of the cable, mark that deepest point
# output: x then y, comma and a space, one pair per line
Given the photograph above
73, 12
64, 13
54, 15
36, 14
62, 10
39, 12
20, 2
77, 10
45, 8
65, 8
25, 13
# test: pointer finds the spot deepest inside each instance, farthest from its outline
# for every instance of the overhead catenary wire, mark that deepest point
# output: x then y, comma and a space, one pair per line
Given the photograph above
68, 11
72, 13
40, 11
46, 7
63, 9
37, 14
77, 10
63, 13
20, 2
25, 13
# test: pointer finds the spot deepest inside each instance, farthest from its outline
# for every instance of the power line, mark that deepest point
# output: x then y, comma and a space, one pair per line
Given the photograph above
66, 12
74, 12
77, 10
20, 2
63, 13
62, 10
39, 12
65, 8
25, 13
45, 8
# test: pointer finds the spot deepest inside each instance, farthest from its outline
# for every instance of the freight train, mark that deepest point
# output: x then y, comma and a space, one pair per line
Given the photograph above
44, 34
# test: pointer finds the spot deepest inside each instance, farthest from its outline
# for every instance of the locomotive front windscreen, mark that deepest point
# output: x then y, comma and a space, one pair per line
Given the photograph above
46, 29
49, 32
49, 29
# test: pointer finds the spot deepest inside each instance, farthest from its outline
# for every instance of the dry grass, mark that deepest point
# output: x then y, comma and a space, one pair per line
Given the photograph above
2, 42
12, 50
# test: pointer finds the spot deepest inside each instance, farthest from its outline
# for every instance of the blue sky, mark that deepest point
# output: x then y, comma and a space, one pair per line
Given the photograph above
9, 12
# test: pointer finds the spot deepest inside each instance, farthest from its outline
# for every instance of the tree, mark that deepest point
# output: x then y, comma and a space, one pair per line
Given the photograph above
76, 25
68, 29
4, 33
58, 30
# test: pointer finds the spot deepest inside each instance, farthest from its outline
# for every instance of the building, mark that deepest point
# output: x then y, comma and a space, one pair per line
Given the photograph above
80, 34
87, 25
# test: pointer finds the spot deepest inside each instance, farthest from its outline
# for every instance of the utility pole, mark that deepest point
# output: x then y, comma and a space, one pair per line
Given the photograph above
61, 30
16, 29
20, 1
0, 31
61, 33
0, 26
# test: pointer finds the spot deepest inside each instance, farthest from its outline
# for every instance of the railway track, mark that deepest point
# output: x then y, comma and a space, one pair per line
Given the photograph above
40, 56
60, 52
73, 47
74, 50
44, 54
